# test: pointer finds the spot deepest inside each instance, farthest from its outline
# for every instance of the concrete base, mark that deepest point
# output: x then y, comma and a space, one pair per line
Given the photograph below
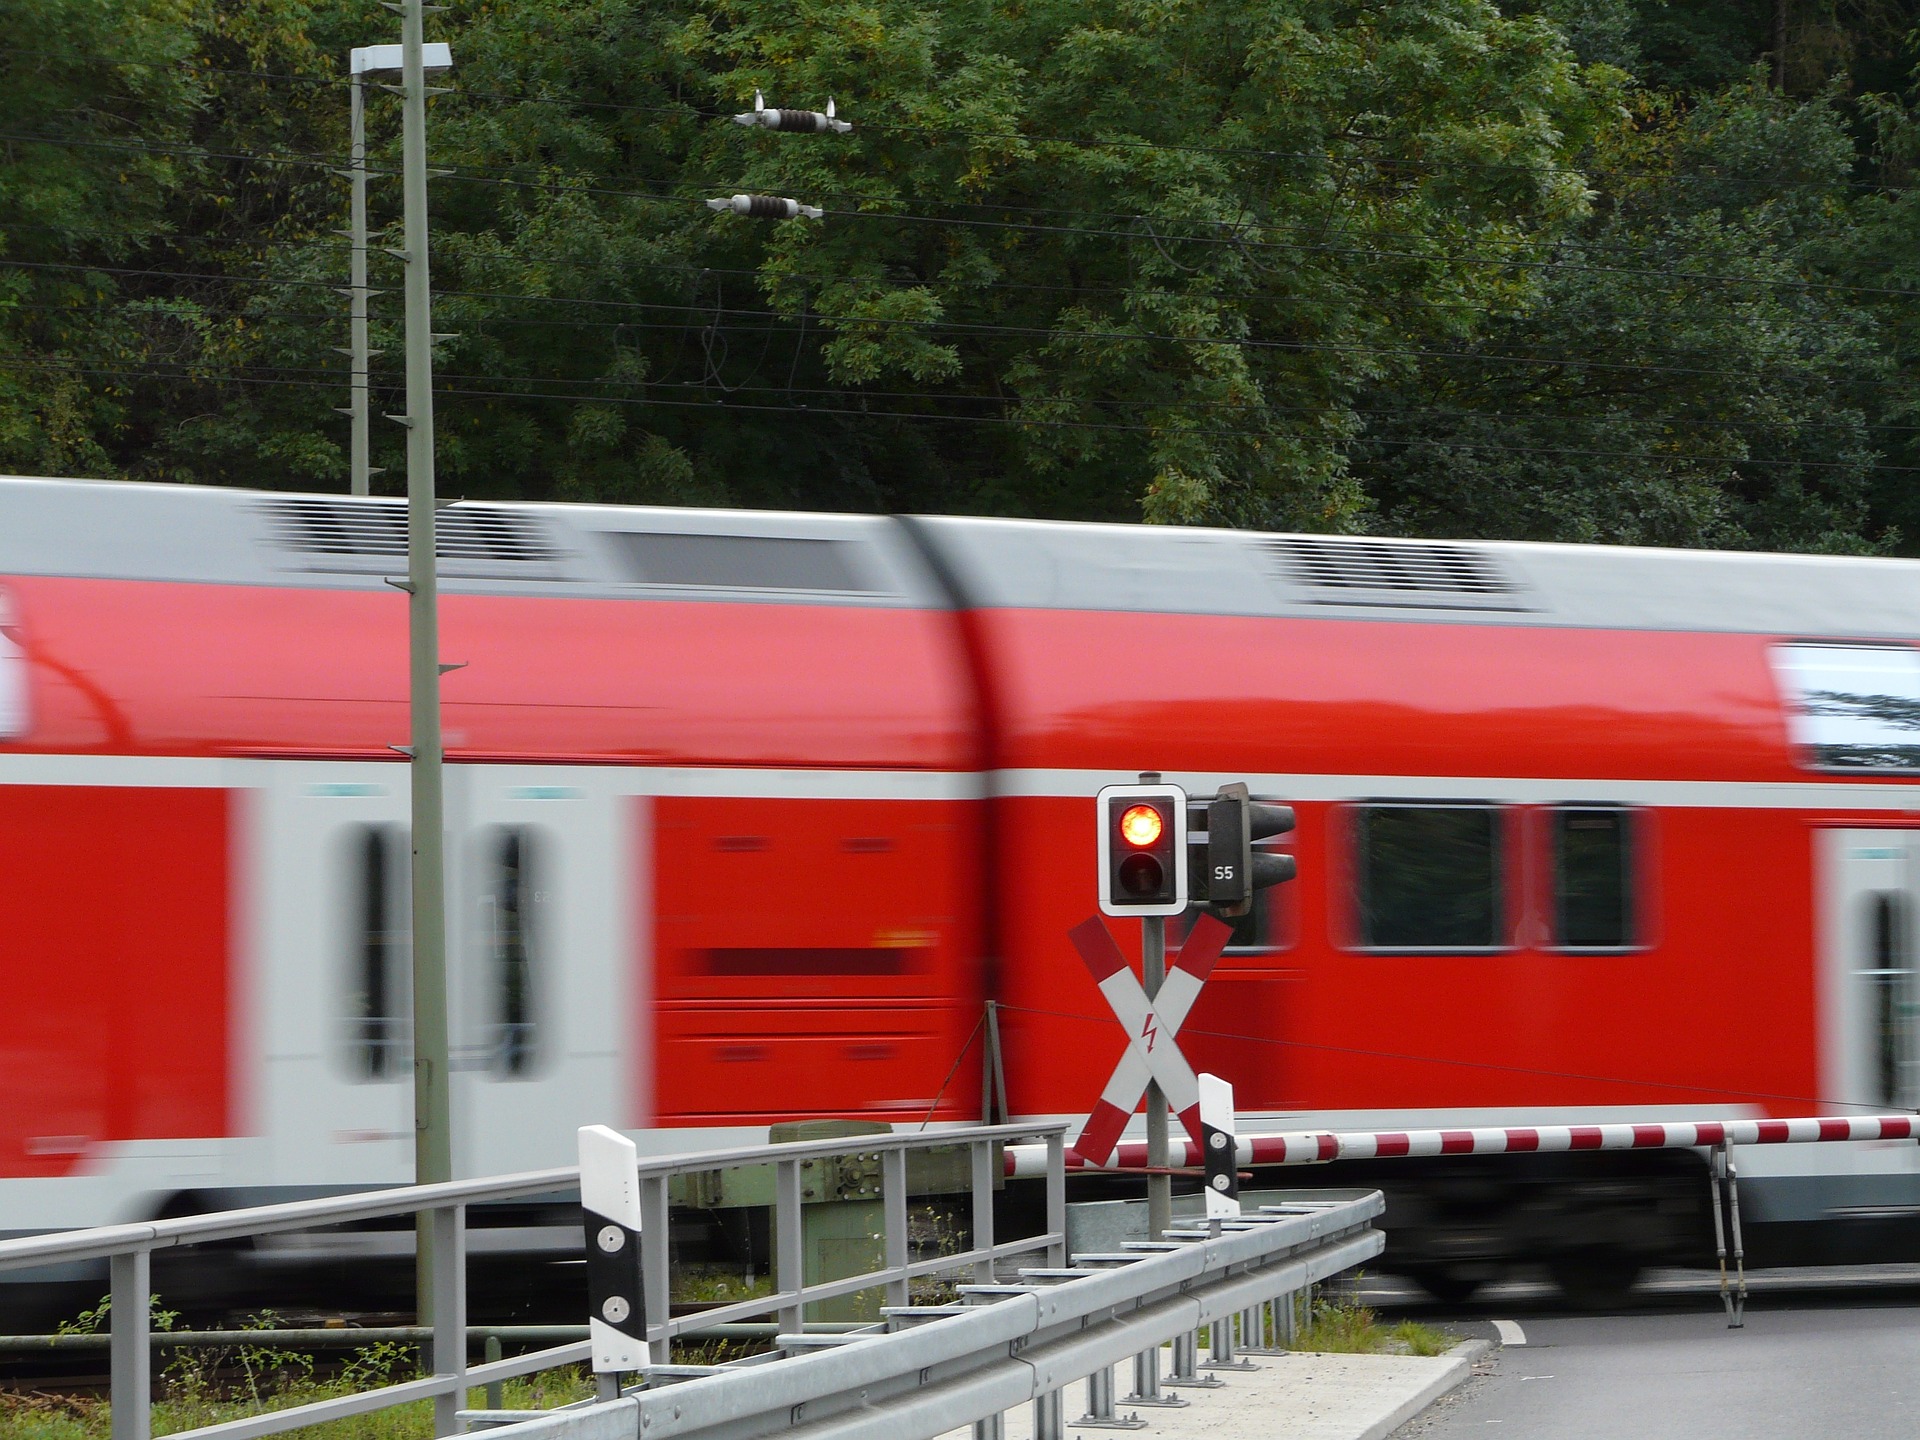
1302, 1396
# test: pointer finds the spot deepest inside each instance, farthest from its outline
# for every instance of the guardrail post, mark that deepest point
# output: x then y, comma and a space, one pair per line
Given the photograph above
1265, 1320
1289, 1304
1057, 1199
1220, 1354
789, 1259
655, 1257
1100, 1414
1186, 1364
992, 1427
131, 1365
981, 1153
1146, 1382
1049, 1417
893, 1209
449, 1310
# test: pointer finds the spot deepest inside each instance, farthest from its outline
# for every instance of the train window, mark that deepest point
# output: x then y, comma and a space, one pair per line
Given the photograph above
514, 945
1593, 878
743, 562
1852, 707
1261, 931
1889, 974
13, 673
378, 953
1429, 877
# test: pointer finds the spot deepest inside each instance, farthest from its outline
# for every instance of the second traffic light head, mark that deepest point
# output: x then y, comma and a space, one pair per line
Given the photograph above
1235, 870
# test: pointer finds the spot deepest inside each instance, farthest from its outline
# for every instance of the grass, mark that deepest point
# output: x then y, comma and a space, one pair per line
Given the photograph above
252, 1376
1346, 1327
64, 1417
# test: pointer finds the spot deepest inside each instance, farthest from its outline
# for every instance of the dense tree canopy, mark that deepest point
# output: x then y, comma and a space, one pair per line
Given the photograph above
1619, 270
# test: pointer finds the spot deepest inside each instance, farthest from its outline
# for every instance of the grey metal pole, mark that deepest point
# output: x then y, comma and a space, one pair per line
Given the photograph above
359, 356
1153, 937
432, 1097
130, 1320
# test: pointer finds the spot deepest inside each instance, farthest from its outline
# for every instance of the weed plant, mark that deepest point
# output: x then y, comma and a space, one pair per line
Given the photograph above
1341, 1325
208, 1385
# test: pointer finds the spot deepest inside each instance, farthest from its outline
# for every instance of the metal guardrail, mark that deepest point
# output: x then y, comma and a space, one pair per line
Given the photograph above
128, 1249
938, 1368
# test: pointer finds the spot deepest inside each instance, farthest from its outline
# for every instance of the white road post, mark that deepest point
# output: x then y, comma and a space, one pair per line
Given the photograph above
611, 1216
1220, 1152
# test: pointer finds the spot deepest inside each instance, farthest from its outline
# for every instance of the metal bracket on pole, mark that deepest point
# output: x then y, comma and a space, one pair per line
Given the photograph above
1723, 1182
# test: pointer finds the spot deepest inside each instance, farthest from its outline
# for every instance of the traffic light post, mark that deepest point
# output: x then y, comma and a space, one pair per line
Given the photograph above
1145, 870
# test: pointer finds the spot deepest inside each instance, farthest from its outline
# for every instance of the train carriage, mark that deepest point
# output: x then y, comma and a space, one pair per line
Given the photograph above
751, 813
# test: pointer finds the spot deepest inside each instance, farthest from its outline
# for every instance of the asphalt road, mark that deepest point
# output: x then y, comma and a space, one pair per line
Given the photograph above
1814, 1360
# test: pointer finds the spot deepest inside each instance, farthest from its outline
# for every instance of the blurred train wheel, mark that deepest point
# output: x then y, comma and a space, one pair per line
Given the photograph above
1595, 1279
1450, 1286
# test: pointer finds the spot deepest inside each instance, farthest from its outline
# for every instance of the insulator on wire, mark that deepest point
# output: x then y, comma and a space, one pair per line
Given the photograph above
804, 122
765, 207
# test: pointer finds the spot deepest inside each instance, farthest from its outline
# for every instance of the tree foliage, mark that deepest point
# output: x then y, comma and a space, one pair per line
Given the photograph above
1581, 269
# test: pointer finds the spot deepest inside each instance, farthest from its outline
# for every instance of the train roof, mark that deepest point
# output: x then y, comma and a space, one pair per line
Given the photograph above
221, 535
1044, 565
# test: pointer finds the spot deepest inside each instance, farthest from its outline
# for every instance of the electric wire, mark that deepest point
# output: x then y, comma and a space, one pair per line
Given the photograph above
1236, 241
334, 382
1305, 347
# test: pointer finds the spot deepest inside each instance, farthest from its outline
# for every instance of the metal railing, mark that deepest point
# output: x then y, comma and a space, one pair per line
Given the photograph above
932, 1369
129, 1249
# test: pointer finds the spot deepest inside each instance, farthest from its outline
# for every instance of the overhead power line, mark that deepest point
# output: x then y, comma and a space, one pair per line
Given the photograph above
1229, 234
573, 392
1304, 347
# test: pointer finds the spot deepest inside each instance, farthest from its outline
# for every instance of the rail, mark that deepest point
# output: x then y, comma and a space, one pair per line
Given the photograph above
129, 1250
933, 1369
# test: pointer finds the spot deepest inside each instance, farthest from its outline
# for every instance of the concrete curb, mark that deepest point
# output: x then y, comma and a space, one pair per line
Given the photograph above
1462, 1357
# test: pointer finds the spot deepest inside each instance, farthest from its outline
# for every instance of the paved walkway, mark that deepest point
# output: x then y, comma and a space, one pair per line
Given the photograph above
1299, 1396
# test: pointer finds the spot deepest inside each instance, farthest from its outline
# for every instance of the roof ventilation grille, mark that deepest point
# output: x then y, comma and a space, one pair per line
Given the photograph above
347, 530
1393, 572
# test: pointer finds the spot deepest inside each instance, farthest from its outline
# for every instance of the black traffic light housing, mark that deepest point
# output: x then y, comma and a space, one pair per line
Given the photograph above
1143, 849
1235, 870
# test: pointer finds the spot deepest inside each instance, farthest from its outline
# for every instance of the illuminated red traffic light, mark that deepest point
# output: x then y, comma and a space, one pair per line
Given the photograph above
1143, 849
1141, 826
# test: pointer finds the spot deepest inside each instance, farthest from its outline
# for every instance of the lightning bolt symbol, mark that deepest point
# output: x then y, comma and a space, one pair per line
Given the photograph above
1148, 1029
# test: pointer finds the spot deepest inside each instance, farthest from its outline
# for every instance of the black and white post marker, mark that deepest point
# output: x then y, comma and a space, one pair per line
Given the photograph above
1220, 1148
610, 1211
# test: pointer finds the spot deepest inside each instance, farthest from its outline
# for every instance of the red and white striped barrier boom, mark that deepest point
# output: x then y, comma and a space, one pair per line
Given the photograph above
1318, 1147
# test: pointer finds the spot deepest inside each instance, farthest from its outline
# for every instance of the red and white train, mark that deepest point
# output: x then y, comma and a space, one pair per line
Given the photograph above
750, 813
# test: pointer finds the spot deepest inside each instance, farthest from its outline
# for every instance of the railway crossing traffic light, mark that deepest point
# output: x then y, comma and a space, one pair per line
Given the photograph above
1235, 870
1143, 849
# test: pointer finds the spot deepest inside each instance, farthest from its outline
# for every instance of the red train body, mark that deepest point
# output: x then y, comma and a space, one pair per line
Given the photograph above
751, 814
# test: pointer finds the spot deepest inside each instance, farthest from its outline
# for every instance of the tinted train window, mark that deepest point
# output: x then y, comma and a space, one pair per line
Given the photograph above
1429, 877
514, 948
1593, 899
743, 562
1258, 932
378, 953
